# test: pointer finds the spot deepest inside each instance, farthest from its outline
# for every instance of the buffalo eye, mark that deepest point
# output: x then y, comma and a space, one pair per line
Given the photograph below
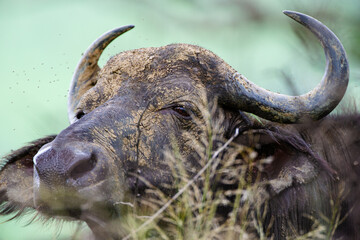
80, 114
181, 111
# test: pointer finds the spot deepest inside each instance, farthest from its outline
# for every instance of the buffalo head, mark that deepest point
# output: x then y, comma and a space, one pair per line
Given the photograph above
142, 103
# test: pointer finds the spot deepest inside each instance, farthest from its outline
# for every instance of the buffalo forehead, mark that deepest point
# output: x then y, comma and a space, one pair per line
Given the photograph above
177, 68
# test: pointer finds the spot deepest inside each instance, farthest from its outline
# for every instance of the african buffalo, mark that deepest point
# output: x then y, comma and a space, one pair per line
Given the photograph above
145, 102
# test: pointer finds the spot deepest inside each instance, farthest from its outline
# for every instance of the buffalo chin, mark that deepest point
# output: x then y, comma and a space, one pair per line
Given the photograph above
91, 204
99, 216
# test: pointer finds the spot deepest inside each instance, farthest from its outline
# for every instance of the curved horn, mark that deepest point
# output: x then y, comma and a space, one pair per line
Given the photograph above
85, 73
313, 105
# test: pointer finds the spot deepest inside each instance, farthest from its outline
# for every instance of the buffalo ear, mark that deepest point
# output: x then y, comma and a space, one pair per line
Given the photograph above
16, 178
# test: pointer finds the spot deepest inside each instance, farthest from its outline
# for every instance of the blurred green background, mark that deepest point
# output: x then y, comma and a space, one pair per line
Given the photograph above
42, 40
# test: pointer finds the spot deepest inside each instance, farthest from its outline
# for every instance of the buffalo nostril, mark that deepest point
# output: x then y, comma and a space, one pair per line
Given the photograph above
82, 166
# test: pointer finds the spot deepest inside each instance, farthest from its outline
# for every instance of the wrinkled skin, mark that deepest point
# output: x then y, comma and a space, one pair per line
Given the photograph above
131, 119
148, 101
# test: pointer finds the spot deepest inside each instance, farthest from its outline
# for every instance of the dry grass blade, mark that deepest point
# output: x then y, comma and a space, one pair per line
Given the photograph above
182, 190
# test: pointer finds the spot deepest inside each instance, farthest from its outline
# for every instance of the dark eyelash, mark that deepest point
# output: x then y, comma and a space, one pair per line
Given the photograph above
181, 111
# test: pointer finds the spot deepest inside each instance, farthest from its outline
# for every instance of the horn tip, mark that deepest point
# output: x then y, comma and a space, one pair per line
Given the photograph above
125, 28
294, 15
289, 12
122, 29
